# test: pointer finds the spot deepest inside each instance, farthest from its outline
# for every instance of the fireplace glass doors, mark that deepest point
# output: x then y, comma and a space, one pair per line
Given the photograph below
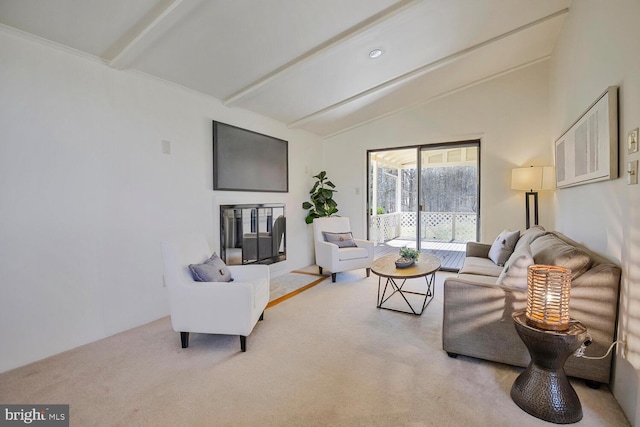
252, 234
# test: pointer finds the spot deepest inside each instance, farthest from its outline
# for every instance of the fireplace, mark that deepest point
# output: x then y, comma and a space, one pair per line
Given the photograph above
253, 234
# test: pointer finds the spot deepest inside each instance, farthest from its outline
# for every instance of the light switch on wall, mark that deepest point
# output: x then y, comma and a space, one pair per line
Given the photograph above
166, 147
632, 172
632, 141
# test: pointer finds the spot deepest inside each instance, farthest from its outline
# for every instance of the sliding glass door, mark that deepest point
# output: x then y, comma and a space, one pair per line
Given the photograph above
449, 195
392, 188
425, 197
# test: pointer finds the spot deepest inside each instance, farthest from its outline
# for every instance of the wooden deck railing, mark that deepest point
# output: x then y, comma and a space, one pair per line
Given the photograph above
440, 226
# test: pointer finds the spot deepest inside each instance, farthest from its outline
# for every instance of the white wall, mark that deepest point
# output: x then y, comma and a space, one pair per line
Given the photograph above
508, 114
86, 194
598, 47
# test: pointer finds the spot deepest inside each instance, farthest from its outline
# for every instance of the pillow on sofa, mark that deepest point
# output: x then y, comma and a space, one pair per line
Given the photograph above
503, 246
514, 274
529, 235
212, 270
343, 240
551, 250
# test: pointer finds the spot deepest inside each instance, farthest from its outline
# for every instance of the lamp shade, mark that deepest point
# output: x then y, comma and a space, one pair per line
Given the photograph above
532, 178
548, 289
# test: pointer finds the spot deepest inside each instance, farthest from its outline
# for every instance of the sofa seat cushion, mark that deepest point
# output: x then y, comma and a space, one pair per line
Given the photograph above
345, 254
550, 250
477, 280
480, 266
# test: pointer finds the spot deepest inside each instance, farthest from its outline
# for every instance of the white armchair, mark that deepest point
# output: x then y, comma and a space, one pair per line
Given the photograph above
228, 308
334, 258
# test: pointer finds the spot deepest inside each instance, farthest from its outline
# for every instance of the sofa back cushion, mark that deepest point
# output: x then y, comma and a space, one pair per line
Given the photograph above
550, 250
529, 235
514, 274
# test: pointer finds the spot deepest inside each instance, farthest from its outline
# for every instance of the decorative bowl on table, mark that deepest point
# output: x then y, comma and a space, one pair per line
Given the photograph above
405, 262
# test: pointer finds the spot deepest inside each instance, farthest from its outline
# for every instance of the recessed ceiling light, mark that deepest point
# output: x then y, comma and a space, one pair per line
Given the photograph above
375, 53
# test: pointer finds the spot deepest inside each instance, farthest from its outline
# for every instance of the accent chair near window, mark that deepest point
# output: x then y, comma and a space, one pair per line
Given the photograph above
337, 250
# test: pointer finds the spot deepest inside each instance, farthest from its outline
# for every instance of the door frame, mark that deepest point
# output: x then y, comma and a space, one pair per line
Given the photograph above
418, 149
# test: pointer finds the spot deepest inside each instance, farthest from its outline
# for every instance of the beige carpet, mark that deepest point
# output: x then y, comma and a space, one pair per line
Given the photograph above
327, 357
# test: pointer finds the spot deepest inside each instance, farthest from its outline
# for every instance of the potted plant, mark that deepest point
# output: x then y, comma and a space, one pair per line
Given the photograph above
322, 203
408, 257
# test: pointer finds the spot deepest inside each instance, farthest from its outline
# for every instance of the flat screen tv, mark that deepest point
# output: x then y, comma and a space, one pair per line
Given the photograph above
248, 161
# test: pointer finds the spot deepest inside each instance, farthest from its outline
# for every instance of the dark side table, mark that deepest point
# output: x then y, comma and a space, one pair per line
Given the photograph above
543, 389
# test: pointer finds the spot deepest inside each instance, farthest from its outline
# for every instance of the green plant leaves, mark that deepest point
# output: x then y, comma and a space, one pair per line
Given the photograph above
321, 176
406, 252
322, 203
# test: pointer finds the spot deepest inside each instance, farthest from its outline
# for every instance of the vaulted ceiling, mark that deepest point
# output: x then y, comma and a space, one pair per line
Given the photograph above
304, 62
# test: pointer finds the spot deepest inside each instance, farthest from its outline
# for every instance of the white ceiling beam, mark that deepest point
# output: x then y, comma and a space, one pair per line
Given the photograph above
439, 96
142, 36
371, 22
424, 69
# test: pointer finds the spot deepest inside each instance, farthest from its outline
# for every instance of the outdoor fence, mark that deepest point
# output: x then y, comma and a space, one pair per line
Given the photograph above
436, 226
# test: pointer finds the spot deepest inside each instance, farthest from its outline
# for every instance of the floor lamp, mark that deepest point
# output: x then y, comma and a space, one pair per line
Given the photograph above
531, 180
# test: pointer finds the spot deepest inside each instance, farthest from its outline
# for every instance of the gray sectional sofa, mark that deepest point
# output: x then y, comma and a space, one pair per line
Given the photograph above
477, 311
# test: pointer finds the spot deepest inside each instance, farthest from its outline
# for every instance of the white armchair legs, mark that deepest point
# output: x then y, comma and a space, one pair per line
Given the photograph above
184, 338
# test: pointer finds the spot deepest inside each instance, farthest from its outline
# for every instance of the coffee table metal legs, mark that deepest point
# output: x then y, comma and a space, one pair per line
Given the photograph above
393, 288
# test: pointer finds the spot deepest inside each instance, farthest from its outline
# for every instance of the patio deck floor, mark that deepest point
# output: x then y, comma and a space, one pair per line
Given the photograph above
451, 254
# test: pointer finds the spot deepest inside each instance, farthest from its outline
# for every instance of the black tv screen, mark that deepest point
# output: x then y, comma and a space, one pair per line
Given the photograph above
248, 161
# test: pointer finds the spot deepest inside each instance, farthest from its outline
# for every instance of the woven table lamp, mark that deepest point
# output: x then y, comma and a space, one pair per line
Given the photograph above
548, 289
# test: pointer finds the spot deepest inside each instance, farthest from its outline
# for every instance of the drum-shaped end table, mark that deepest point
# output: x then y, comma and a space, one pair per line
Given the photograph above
543, 389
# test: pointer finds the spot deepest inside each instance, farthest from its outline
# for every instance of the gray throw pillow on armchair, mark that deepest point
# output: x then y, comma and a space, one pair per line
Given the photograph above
343, 240
212, 270
503, 246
